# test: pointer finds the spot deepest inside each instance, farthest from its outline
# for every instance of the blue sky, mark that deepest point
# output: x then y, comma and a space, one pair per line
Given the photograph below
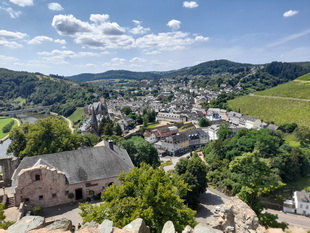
68, 37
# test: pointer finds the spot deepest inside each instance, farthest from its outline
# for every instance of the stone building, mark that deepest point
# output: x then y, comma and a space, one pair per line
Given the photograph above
51, 179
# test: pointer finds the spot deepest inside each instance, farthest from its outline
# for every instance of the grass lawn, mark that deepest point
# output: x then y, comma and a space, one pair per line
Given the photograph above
152, 125
278, 110
77, 115
292, 140
3, 122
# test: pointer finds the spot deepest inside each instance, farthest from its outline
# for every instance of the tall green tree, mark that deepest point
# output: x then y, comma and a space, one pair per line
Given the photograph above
253, 177
203, 122
140, 151
194, 172
117, 130
46, 136
145, 192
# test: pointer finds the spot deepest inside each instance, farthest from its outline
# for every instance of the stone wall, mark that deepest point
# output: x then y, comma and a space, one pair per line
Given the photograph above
44, 186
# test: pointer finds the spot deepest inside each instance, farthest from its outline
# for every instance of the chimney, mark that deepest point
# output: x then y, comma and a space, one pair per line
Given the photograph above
111, 144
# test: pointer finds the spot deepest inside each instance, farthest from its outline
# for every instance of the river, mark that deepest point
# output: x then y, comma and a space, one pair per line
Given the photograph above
31, 118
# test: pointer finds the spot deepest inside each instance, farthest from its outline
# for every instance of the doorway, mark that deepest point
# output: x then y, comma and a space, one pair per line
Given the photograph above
78, 194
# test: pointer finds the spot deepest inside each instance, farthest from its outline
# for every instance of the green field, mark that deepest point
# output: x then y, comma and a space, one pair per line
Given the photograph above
305, 77
77, 115
294, 89
3, 122
278, 110
271, 105
292, 140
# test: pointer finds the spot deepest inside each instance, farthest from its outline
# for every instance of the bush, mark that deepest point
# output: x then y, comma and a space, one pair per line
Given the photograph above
270, 220
37, 210
7, 128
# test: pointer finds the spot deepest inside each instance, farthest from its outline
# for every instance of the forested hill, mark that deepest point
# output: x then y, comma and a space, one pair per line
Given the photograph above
286, 71
116, 74
35, 89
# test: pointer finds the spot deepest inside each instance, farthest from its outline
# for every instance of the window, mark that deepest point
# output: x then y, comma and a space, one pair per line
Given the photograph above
41, 197
66, 193
37, 177
307, 207
27, 199
54, 195
300, 205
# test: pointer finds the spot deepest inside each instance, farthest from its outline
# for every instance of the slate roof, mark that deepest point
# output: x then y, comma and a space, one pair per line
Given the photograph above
84, 164
303, 196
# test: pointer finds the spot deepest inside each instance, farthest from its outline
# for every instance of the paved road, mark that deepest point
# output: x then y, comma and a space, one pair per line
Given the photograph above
209, 200
292, 219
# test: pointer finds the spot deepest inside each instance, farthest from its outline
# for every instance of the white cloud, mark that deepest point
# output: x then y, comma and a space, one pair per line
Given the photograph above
22, 3
58, 41
289, 38
54, 6
201, 38
137, 59
42, 39
118, 60
138, 29
168, 41
114, 62
99, 19
68, 25
90, 65
13, 14
10, 44
5, 59
174, 24
191, 4
290, 13
101, 33
9, 35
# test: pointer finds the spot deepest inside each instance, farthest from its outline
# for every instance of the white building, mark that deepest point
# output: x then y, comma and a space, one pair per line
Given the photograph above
302, 202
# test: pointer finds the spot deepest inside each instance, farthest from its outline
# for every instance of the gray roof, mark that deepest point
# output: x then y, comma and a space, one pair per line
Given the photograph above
303, 196
84, 164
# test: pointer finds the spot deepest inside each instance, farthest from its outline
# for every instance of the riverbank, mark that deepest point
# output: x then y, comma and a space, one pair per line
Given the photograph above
7, 136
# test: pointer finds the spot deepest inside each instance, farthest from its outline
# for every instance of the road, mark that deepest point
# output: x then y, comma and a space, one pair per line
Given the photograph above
292, 219
24, 110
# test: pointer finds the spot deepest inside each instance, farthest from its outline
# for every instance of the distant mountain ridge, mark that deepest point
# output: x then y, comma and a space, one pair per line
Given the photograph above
205, 69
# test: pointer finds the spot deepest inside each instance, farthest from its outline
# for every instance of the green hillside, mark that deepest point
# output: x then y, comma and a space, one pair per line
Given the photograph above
286, 103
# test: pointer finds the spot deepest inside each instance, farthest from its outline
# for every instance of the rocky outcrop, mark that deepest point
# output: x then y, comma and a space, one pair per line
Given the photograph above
236, 216
63, 224
137, 226
168, 228
27, 224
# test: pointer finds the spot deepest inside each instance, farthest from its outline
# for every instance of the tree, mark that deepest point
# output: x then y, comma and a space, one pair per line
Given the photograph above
108, 130
126, 110
4, 224
224, 131
145, 192
50, 135
90, 139
194, 172
303, 134
253, 177
203, 122
117, 130
140, 151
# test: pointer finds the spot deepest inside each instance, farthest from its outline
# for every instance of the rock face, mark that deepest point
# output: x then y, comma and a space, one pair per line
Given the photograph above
27, 224
106, 226
237, 216
63, 224
203, 228
137, 226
